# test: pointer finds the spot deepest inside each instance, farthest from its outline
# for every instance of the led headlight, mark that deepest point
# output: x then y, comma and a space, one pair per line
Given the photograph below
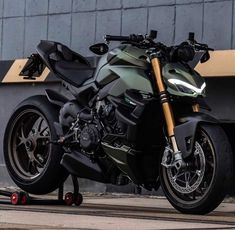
185, 87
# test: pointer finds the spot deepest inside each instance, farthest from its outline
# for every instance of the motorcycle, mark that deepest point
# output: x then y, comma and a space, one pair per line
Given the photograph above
136, 117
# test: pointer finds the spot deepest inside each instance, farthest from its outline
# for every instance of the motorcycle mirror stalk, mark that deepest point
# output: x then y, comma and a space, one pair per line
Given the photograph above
191, 36
153, 34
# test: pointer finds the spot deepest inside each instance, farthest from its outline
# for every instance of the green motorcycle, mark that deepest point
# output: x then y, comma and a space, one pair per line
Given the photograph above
134, 118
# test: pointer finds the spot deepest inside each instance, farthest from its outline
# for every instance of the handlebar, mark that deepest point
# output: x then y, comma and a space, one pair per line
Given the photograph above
116, 38
138, 38
130, 38
185, 51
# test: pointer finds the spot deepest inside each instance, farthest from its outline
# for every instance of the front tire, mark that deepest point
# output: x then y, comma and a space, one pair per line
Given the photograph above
202, 185
33, 162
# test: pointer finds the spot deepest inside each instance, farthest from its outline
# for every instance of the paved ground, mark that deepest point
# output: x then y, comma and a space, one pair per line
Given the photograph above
113, 212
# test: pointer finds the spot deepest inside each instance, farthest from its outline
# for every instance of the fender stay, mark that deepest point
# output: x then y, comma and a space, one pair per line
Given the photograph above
56, 98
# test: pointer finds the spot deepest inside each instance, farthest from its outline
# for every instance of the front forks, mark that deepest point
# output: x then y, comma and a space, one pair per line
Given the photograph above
168, 114
166, 106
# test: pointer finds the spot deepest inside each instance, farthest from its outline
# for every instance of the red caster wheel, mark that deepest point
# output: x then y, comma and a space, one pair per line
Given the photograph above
24, 198
15, 198
69, 198
78, 199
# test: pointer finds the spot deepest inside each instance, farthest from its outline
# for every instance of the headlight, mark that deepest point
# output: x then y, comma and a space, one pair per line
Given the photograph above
185, 87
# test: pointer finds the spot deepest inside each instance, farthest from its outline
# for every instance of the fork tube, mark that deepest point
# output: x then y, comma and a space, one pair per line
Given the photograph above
196, 108
167, 110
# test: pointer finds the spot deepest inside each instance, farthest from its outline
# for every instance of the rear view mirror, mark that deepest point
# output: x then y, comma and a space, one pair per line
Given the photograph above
99, 48
205, 57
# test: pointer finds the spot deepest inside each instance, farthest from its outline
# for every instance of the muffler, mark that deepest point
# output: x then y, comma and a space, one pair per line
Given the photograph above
81, 166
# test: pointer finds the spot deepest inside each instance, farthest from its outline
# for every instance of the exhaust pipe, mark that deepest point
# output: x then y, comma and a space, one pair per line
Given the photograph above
81, 166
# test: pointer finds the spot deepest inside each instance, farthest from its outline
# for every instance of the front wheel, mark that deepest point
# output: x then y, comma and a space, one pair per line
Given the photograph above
202, 185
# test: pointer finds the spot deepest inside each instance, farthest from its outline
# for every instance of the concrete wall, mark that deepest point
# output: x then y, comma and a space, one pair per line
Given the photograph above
80, 23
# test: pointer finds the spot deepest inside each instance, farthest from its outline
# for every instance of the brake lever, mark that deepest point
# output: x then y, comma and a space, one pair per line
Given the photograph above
204, 47
210, 49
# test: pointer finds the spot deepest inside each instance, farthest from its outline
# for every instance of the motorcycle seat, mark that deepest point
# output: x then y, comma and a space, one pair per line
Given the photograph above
75, 72
67, 64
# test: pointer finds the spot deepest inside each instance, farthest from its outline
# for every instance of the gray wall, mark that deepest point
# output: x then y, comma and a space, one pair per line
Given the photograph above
80, 23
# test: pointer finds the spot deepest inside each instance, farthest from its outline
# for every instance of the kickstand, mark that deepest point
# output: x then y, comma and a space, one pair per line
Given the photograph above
61, 192
75, 185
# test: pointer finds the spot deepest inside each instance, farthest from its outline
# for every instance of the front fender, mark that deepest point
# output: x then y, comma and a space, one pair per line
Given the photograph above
186, 131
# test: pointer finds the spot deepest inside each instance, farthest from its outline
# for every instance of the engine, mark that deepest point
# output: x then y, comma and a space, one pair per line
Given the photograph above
84, 131
114, 132
87, 125
89, 137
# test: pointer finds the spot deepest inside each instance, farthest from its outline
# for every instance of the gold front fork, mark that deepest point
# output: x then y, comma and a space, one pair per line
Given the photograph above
195, 108
167, 110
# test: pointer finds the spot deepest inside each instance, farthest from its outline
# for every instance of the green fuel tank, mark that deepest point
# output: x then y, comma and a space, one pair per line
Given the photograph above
127, 67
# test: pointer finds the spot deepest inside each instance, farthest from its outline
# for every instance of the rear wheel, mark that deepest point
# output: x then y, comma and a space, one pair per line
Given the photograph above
32, 161
202, 185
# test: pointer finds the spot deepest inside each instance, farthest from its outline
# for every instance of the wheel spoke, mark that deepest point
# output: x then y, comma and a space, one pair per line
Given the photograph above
182, 181
29, 166
19, 144
177, 175
43, 137
195, 173
22, 136
34, 167
200, 191
187, 177
38, 162
39, 126
194, 195
43, 130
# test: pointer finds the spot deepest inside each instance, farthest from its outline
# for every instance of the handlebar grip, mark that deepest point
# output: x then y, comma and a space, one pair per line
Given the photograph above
116, 38
130, 38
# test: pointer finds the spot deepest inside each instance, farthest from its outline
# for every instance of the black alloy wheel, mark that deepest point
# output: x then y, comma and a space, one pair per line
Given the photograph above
32, 160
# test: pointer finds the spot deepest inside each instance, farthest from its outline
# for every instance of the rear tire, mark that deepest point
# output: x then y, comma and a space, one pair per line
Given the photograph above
205, 186
32, 161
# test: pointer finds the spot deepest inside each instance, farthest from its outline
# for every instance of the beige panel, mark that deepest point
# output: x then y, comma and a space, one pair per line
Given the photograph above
221, 63
13, 76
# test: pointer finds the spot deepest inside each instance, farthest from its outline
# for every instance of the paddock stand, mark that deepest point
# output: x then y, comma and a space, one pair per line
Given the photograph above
23, 198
